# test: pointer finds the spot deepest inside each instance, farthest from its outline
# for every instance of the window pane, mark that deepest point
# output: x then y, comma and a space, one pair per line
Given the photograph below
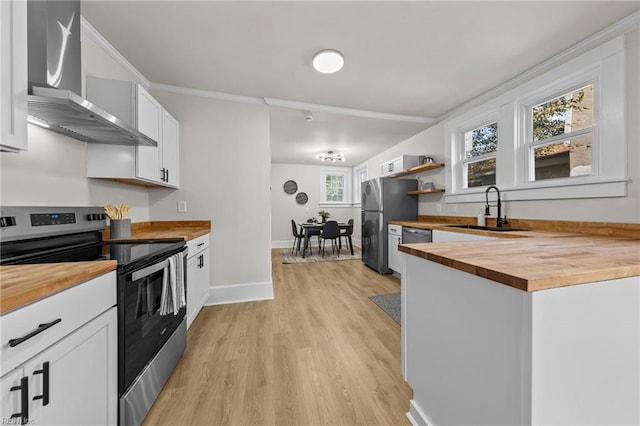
334, 187
482, 140
481, 173
563, 159
564, 114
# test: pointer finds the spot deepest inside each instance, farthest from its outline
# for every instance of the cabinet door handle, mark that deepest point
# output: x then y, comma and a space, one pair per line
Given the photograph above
45, 384
40, 329
23, 415
167, 177
201, 261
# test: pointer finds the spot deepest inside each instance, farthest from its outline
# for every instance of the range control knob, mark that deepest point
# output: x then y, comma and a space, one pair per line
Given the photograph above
7, 221
95, 216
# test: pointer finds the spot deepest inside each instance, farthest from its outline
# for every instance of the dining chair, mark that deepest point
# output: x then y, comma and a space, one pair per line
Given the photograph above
330, 231
346, 233
313, 233
298, 236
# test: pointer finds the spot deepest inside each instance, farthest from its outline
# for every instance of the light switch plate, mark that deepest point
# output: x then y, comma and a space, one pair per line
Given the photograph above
182, 206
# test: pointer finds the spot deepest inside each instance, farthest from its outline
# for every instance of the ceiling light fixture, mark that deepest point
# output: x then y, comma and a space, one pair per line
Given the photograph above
330, 156
328, 61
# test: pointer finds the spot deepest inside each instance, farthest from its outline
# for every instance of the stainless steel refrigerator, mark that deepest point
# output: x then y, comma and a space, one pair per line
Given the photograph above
384, 199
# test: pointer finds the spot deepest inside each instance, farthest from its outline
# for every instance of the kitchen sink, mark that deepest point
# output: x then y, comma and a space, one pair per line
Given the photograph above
486, 228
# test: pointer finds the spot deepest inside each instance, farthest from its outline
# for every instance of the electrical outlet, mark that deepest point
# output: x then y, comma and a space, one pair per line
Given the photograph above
182, 206
438, 208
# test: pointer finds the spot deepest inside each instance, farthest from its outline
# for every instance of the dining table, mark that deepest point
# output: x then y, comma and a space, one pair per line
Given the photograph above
310, 229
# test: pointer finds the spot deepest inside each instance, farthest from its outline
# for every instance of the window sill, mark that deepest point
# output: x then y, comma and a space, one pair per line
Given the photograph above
591, 188
336, 205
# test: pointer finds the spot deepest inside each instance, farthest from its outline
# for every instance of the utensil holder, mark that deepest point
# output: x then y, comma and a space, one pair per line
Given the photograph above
120, 228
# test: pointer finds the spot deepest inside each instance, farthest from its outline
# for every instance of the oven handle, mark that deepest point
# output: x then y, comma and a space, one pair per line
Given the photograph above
150, 270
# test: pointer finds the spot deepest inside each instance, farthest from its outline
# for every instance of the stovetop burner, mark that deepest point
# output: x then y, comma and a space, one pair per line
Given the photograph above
71, 234
130, 252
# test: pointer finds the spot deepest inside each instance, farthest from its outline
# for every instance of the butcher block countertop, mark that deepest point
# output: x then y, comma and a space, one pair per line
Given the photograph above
186, 230
510, 234
540, 263
24, 284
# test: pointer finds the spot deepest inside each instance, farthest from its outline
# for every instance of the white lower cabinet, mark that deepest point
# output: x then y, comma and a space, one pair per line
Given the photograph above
198, 267
73, 381
394, 259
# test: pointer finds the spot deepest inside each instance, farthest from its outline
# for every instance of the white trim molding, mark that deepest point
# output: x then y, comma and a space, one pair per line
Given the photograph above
208, 94
619, 28
91, 32
348, 111
222, 295
416, 416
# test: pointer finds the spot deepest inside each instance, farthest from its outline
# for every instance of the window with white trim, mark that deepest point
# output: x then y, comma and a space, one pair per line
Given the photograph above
560, 135
335, 186
480, 150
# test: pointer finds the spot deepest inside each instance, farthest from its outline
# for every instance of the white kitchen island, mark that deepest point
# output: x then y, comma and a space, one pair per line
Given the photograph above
492, 342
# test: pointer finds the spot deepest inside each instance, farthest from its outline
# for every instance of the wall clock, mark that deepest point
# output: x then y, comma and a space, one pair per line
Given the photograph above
302, 198
290, 187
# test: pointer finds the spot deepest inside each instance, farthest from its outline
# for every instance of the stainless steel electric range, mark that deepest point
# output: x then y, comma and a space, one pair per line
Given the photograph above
149, 344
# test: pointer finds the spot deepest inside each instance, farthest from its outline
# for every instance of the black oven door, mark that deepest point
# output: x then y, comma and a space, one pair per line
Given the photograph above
142, 329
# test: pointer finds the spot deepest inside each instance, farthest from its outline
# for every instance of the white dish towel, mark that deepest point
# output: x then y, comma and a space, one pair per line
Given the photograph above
173, 286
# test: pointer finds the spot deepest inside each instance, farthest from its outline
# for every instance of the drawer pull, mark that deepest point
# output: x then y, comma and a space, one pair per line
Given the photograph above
45, 383
24, 400
40, 329
200, 244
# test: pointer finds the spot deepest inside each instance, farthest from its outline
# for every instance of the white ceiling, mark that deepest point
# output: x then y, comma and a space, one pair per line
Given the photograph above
407, 60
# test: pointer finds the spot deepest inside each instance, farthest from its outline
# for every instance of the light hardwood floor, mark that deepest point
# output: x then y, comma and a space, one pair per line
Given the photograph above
320, 353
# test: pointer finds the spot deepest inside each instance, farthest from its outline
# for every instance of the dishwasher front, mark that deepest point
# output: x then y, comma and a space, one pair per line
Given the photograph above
415, 235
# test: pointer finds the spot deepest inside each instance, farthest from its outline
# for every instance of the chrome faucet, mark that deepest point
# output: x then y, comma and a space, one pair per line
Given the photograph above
487, 212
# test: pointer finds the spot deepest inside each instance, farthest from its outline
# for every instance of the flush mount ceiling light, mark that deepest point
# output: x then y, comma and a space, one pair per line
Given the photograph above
328, 61
330, 156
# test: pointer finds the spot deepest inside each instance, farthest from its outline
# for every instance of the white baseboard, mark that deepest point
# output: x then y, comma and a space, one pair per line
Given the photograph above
416, 416
222, 295
282, 244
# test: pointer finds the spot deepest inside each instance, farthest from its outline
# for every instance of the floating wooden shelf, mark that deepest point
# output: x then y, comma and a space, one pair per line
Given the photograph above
425, 191
418, 169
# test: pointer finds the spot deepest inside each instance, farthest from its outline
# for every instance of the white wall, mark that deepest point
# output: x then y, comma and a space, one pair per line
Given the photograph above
225, 168
618, 209
53, 171
284, 206
224, 177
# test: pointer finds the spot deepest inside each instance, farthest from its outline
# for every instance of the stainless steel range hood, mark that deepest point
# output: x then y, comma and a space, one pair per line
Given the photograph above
53, 37
65, 112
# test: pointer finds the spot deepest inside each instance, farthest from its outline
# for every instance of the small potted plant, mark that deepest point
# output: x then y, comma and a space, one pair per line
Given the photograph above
324, 215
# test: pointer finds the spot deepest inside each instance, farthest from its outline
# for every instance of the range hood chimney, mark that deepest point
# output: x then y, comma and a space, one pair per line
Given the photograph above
55, 79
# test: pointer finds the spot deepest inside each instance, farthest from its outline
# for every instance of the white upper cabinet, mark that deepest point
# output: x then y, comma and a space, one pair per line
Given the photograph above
13, 75
170, 150
142, 165
149, 122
